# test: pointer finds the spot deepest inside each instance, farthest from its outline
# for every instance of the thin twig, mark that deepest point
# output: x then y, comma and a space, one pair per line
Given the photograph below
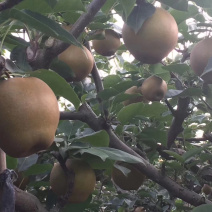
208, 106
98, 83
170, 107
191, 139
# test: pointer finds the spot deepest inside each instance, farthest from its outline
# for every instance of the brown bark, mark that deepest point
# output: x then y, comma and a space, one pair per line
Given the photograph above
26, 202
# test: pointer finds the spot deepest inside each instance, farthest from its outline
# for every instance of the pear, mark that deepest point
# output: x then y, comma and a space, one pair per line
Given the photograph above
80, 60
156, 38
154, 88
109, 45
200, 54
132, 181
134, 90
84, 180
29, 115
206, 189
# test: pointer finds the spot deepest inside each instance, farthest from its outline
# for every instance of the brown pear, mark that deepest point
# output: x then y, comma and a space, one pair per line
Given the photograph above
29, 116
132, 181
156, 38
109, 45
139, 209
199, 57
84, 180
80, 60
134, 90
154, 88
206, 189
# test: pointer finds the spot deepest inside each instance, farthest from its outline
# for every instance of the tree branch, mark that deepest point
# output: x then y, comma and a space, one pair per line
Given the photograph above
146, 168
8, 4
192, 139
72, 116
26, 202
44, 56
180, 114
95, 74
170, 107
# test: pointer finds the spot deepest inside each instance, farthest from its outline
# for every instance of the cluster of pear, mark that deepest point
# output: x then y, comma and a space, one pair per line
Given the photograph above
155, 40
29, 115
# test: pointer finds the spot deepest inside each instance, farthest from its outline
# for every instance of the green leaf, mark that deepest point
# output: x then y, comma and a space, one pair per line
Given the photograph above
39, 6
203, 3
199, 118
127, 6
176, 4
181, 16
98, 26
123, 169
111, 80
108, 6
62, 69
77, 207
69, 5
69, 127
203, 208
177, 68
155, 134
124, 85
11, 162
70, 16
96, 162
205, 156
38, 169
43, 24
93, 151
110, 153
192, 152
51, 3
58, 85
18, 55
107, 93
139, 14
16, 41
174, 165
188, 92
175, 155
158, 70
118, 155
123, 96
97, 139
126, 114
